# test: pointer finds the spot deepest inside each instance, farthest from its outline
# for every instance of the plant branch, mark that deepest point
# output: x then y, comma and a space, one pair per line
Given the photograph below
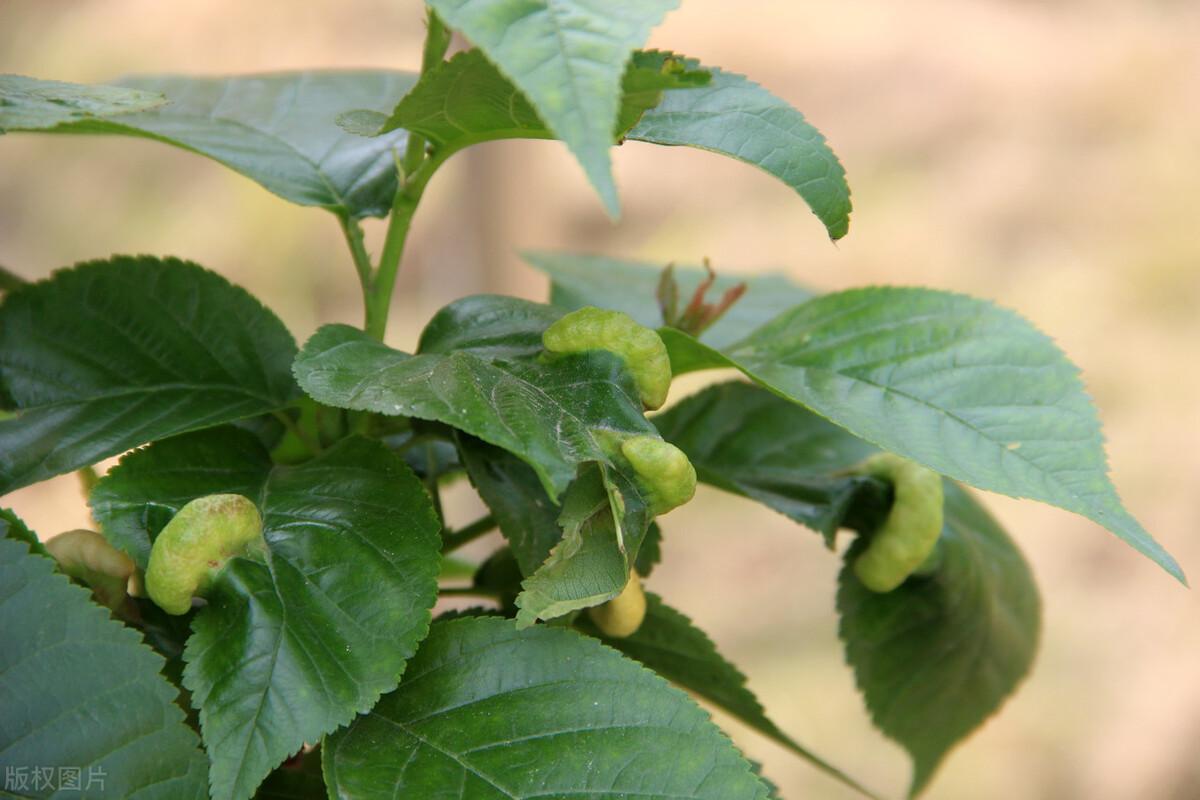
310, 443
353, 232
469, 591
452, 540
417, 440
431, 481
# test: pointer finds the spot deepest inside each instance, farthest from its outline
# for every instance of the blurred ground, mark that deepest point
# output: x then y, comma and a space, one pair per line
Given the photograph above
1043, 154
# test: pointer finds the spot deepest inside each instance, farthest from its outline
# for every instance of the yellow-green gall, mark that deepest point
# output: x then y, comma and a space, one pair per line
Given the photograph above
639, 347
909, 535
663, 470
88, 557
623, 615
196, 544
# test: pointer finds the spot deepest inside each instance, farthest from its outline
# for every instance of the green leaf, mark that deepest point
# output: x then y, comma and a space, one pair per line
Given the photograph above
736, 117
81, 690
487, 711
772, 789
456, 104
527, 516
689, 354
12, 527
465, 101
488, 325
556, 415
604, 520
745, 440
937, 656
553, 415
567, 57
139, 496
590, 566
957, 384
670, 644
286, 651
279, 130
629, 286
650, 553
29, 104
363, 122
111, 354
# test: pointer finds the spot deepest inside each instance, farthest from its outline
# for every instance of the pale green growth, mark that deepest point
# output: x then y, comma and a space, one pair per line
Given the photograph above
623, 615
638, 346
88, 557
908, 538
196, 544
663, 469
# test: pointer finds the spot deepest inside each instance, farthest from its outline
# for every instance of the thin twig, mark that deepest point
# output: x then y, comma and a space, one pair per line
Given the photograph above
452, 540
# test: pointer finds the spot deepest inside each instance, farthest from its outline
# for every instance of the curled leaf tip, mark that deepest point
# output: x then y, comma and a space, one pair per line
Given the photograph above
88, 557
664, 470
639, 347
906, 542
196, 544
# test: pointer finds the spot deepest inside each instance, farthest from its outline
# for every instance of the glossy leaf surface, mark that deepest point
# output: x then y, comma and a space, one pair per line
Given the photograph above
139, 496
108, 355
546, 413
487, 712
745, 440
489, 325
959, 385
670, 644
287, 650
511, 489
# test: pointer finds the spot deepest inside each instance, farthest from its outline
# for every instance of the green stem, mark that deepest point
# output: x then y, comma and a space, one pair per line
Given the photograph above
417, 440
378, 294
306, 439
416, 168
437, 41
452, 540
469, 591
431, 481
353, 232
10, 281
88, 478
408, 196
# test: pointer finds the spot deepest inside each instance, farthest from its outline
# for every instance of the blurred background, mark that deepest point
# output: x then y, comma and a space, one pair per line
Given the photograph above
1045, 154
